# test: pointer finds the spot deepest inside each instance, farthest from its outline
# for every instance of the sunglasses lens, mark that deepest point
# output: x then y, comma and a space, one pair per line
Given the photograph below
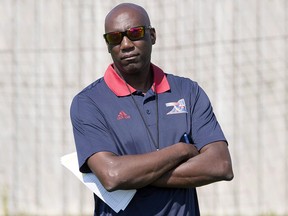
113, 37
136, 33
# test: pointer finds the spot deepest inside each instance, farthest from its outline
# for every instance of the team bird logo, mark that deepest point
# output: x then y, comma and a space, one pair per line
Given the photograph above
178, 107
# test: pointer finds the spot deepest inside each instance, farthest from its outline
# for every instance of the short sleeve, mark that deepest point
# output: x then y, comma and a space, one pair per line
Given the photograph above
91, 132
205, 127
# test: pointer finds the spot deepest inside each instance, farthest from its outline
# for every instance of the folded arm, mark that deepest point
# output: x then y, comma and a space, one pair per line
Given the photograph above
136, 171
211, 165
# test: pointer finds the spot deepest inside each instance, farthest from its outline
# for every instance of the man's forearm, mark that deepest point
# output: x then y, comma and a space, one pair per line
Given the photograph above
136, 171
211, 165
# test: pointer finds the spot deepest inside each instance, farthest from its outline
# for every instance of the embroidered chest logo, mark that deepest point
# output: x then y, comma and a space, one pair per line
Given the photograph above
123, 115
178, 107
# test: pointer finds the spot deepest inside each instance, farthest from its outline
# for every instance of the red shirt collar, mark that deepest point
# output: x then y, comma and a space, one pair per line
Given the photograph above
118, 86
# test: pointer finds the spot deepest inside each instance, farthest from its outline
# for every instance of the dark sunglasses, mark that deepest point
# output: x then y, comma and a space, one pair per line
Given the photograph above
134, 34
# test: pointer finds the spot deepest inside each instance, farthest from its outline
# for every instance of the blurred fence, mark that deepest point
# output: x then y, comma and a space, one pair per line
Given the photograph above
237, 51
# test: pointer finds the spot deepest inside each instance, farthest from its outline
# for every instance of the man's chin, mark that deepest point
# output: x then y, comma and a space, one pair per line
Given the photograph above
131, 67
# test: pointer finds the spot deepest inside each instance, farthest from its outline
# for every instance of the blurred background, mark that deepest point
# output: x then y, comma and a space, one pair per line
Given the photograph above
236, 50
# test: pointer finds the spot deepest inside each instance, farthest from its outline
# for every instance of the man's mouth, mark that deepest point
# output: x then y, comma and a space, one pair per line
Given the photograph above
129, 57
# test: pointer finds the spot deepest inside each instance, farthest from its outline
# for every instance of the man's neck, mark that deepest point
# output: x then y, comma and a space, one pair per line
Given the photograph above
142, 84
139, 81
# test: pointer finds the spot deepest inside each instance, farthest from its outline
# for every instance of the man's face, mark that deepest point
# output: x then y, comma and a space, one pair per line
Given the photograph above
130, 57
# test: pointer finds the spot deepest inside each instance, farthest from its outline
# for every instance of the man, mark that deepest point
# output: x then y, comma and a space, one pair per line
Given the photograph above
129, 126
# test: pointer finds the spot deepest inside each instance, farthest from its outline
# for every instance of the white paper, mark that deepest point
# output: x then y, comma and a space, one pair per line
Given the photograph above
117, 200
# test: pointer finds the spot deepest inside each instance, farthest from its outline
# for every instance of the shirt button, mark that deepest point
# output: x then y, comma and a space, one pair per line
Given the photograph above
148, 112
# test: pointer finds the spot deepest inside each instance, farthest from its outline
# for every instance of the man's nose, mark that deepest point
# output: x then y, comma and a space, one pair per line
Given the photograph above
126, 43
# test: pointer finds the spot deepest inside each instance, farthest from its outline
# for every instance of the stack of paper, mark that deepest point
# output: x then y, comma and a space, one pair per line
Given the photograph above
117, 200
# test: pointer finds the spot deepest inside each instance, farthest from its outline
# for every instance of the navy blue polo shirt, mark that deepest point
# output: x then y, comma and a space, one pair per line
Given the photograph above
105, 118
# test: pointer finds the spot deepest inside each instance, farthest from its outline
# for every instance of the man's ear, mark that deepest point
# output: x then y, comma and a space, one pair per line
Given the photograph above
153, 35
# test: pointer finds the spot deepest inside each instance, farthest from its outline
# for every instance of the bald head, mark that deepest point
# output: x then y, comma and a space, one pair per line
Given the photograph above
122, 13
